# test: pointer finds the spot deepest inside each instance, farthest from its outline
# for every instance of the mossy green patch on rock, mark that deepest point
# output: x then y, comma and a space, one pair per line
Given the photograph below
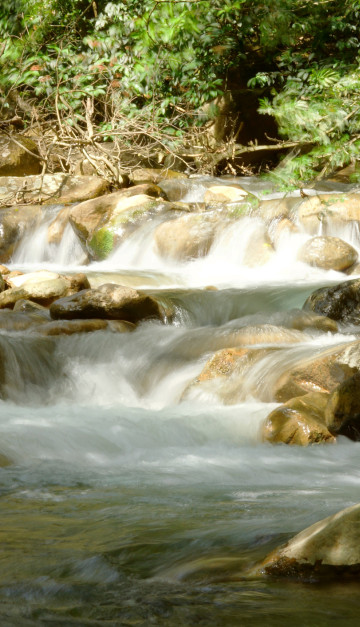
101, 244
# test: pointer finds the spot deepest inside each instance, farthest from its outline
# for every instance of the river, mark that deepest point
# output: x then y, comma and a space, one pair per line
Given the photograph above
127, 505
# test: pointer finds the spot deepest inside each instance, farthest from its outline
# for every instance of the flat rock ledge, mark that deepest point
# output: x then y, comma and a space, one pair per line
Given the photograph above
109, 301
327, 550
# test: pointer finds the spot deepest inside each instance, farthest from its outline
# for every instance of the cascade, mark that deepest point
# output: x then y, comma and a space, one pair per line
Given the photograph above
133, 496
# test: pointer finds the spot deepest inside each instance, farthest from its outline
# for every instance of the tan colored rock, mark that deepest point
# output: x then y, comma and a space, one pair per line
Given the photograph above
109, 301
322, 373
329, 548
277, 208
86, 217
224, 193
51, 188
58, 225
299, 421
329, 253
69, 327
175, 189
342, 414
264, 334
187, 237
16, 158
42, 287
21, 320
328, 210
154, 175
302, 320
225, 375
259, 250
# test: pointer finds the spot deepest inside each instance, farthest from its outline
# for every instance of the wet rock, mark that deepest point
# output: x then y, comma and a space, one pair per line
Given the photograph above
265, 334
340, 303
175, 189
342, 414
224, 193
58, 225
187, 237
154, 175
4, 461
51, 188
259, 250
322, 373
328, 210
21, 320
299, 421
108, 301
2, 283
29, 306
16, 158
328, 549
302, 320
42, 287
69, 327
86, 217
226, 376
14, 223
277, 208
128, 211
329, 253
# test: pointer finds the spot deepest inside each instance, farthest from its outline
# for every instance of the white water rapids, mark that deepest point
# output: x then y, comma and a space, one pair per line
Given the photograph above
127, 505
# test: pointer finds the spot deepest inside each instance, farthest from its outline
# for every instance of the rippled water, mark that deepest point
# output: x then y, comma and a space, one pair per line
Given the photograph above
126, 505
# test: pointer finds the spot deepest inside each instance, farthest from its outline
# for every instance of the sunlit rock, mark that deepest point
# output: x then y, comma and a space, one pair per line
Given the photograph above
341, 302
328, 210
328, 253
69, 327
2, 283
328, 549
302, 320
58, 225
18, 156
225, 376
224, 193
42, 287
187, 237
86, 217
259, 249
322, 373
51, 188
154, 175
299, 421
108, 301
14, 223
277, 208
342, 414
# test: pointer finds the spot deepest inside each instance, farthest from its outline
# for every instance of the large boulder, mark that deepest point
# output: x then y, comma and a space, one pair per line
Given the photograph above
129, 212
18, 156
299, 421
341, 302
328, 210
328, 549
109, 301
51, 188
187, 237
329, 253
322, 373
86, 217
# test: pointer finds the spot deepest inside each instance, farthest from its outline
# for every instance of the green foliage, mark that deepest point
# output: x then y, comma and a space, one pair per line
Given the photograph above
156, 63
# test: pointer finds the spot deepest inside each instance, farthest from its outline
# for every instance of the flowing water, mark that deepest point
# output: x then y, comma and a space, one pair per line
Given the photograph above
126, 504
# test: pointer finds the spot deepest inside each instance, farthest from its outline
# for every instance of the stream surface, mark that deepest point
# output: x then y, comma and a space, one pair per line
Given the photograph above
126, 505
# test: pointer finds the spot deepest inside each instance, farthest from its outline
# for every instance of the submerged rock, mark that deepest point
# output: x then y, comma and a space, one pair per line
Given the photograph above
328, 549
341, 302
322, 373
69, 327
14, 223
329, 253
109, 301
342, 413
299, 421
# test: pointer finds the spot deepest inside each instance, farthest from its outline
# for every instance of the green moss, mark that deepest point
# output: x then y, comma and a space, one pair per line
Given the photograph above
101, 244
